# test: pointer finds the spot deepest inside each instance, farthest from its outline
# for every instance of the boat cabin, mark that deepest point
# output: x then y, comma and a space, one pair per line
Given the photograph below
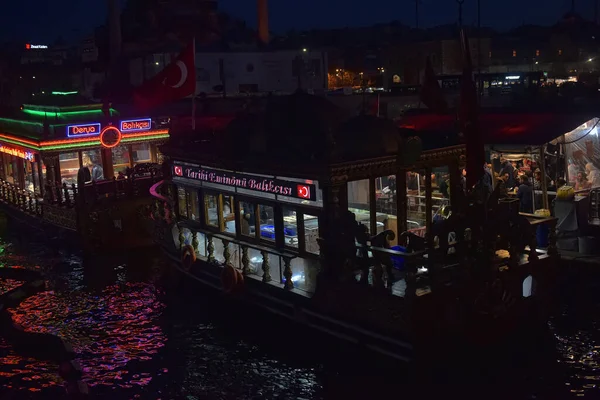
272, 192
43, 146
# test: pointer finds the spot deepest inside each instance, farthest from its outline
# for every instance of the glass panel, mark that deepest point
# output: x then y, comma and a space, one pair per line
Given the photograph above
93, 160
193, 209
36, 177
385, 206
415, 192
121, 158
304, 273
290, 227
228, 214
69, 166
358, 201
10, 170
211, 210
440, 184
183, 211
255, 262
141, 153
247, 219
311, 233
267, 222
27, 167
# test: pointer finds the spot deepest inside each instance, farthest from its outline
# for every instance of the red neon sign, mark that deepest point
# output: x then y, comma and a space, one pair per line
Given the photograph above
110, 137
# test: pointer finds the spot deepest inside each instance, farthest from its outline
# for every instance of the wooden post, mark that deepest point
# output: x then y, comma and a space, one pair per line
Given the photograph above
401, 211
428, 199
544, 181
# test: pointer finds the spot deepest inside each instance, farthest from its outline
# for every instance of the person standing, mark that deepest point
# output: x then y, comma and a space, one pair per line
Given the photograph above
525, 195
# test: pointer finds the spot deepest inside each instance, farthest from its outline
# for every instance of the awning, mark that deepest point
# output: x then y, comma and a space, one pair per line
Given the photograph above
520, 129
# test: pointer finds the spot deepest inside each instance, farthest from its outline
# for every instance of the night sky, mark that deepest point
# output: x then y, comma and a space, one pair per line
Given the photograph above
41, 21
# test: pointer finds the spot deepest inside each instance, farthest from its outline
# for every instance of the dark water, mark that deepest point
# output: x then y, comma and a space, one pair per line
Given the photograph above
139, 337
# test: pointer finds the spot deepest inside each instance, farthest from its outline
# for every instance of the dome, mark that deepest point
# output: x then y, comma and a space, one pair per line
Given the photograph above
366, 136
300, 126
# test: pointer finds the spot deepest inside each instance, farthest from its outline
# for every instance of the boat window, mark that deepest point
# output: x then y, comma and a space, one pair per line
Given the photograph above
193, 206
415, 193
69, 166
10, 169
385, 207
211, 210
140, 153
227, 213
311, 233
29, 181
290, 227
121, 159
266, 217
36, 177
358, 201
183, 211
248, 219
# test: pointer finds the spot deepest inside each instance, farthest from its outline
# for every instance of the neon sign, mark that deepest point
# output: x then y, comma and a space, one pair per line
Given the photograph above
110, 137
17, 153
136, 125
35, 46
304, 191
83, 130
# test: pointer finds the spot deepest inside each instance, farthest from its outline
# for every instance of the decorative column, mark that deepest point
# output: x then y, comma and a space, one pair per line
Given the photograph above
266, 267
226, 252
245, 261
210, 249
287, 273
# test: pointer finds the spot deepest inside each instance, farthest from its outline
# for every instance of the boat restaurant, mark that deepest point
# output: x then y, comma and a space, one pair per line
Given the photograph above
45, 146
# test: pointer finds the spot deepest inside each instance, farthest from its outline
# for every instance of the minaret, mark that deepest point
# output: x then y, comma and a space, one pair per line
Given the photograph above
263, 21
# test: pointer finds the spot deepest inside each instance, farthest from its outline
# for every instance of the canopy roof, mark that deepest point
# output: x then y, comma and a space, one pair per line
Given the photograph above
501, 126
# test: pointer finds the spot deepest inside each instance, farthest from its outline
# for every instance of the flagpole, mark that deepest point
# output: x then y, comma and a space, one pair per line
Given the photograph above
195, 88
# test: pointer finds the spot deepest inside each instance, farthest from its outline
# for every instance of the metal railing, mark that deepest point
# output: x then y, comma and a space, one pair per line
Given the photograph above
20, 199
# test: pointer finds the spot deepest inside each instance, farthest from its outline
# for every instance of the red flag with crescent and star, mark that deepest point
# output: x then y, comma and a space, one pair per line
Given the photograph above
176, 81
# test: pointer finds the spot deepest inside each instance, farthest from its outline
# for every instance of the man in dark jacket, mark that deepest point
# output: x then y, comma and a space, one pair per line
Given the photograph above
525, 195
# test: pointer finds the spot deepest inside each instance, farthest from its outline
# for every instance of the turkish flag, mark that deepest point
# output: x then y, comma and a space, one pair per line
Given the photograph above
176, 81
303, 191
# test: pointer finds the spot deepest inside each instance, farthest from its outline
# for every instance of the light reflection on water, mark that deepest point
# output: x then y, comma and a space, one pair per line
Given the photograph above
106, 330
6, 285
128, 348
132, 345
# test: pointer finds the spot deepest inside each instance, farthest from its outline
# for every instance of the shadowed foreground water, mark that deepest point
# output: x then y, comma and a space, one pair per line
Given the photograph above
136, 338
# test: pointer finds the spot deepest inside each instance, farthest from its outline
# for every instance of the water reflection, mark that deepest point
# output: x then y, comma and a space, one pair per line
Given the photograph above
135, 339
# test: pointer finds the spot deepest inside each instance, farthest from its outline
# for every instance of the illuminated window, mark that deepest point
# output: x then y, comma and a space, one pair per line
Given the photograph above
121, 159
141, 153
514, 53
69, 166
559, 52
537, 53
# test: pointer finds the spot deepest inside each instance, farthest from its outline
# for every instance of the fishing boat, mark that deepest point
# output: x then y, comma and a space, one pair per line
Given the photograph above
340, 224
74, 167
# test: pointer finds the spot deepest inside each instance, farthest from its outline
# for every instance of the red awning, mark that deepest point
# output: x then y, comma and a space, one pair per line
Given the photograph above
509, 128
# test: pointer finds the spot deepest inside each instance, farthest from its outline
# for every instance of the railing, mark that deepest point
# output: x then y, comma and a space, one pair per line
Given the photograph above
65, 195
268, 264
443, 256
20, 199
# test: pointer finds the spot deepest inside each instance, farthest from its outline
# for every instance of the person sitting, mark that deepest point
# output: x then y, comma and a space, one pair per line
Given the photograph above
525, 195
582, 182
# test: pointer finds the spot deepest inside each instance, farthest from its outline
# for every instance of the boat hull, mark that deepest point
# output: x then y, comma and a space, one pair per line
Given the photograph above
431, 326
